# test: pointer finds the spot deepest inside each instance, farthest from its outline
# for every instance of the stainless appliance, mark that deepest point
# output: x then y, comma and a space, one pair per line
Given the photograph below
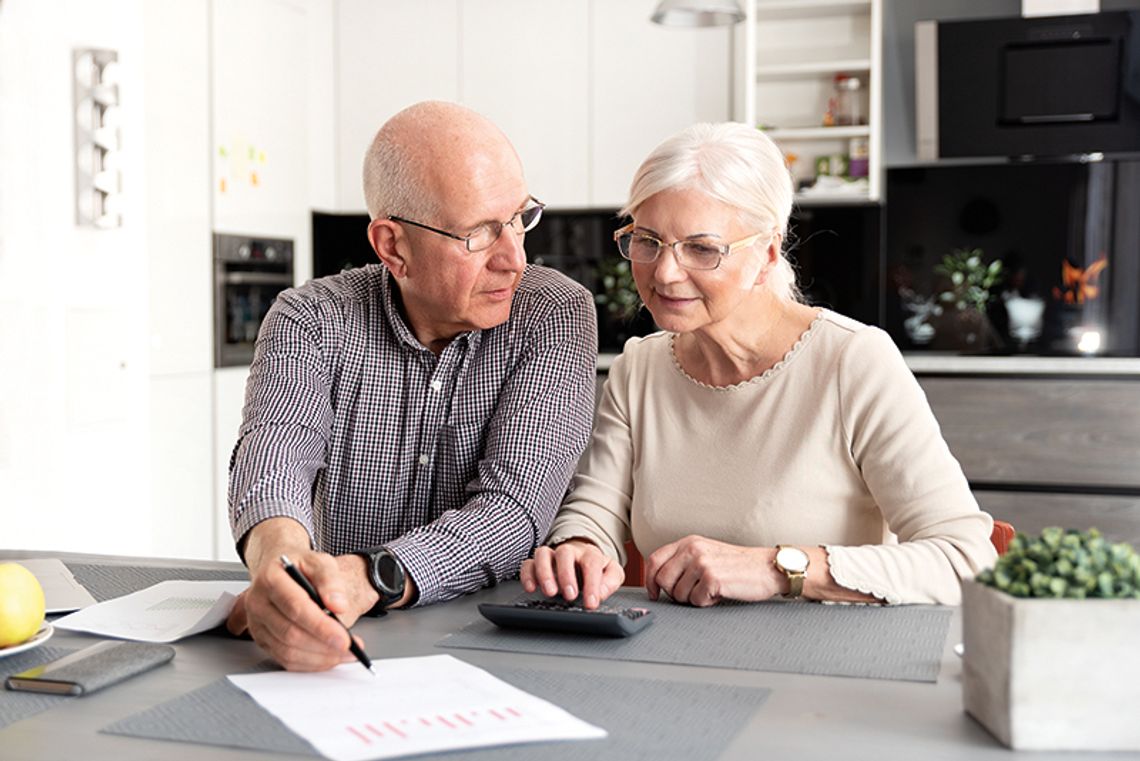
1042, 86
249, 272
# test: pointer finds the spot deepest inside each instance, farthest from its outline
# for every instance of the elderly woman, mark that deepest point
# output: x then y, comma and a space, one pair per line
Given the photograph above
755, 446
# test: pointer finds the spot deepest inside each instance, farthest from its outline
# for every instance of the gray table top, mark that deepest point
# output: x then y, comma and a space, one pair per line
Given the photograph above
806, 717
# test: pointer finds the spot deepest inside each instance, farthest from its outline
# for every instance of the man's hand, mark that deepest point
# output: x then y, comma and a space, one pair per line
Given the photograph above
701, 572
277, 612
555, 570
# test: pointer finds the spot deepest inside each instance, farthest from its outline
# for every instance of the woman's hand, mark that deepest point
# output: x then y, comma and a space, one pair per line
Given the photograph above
557, 569
702, 572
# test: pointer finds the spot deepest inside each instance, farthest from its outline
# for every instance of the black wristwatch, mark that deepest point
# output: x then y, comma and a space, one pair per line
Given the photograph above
387, 575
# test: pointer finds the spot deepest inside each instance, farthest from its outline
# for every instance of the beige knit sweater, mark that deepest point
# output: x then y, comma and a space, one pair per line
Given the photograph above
835, 445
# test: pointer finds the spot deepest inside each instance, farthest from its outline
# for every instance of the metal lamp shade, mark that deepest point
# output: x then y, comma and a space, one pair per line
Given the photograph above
697, 13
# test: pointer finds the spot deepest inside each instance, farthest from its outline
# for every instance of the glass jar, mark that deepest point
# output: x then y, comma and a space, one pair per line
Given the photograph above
848, 101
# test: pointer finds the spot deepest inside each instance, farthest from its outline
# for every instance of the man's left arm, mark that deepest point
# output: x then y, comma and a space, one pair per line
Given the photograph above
539, 429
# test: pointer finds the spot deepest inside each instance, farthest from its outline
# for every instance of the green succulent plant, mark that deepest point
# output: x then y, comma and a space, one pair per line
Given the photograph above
1066, 563
971, 279
618, 293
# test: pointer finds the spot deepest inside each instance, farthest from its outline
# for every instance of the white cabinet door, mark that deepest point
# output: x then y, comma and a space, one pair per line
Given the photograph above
260, 151
647, 82
525, 65
229, 397
390, 55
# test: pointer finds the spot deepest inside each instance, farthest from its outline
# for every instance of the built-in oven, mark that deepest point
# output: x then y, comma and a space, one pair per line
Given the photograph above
249, 272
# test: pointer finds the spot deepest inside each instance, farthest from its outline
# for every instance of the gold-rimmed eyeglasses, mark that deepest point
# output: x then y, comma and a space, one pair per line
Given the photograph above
484, 236
691, 253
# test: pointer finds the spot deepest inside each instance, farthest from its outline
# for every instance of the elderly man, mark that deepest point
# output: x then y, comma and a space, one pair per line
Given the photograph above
417, 423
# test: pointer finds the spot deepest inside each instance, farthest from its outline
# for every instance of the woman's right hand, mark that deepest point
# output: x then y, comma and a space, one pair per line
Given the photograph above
555, 570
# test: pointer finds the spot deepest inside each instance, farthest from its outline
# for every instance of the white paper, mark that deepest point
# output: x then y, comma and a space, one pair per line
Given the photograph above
61, 591
408, 705
166, 612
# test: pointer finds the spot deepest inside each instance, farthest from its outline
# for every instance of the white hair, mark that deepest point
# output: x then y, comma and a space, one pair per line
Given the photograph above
732, 163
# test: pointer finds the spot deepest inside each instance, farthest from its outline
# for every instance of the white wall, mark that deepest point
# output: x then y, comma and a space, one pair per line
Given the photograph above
73, 341
107, 386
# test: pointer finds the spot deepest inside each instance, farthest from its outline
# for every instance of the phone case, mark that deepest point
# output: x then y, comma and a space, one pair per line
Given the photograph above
92, 668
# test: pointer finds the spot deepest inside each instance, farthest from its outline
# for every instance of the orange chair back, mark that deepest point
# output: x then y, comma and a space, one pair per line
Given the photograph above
1002, 535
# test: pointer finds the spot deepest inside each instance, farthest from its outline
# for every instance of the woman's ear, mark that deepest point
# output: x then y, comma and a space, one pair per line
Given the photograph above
387, 239
771, 259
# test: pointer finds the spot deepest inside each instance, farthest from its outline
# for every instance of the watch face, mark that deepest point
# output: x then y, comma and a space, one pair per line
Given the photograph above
389, 574
792, 559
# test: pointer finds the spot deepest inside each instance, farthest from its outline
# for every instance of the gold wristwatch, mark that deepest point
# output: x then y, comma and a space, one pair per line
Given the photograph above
793, 562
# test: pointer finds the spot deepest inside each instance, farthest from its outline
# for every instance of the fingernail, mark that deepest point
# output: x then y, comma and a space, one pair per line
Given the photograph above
550, 589
570, 592
591, 601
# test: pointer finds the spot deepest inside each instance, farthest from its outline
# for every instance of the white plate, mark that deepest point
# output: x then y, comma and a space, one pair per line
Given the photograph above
37, 639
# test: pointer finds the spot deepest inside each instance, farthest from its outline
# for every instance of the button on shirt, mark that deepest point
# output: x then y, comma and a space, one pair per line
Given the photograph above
457, 463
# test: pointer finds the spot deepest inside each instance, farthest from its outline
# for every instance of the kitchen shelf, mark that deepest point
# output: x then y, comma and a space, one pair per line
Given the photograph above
811, 68
798, 9
790, 52
819, 133
832, 199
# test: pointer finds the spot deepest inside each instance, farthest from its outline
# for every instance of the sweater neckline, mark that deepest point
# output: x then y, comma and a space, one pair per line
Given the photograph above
763, 377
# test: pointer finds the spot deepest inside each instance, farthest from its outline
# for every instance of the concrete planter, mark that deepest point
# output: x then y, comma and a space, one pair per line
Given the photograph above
1052, 674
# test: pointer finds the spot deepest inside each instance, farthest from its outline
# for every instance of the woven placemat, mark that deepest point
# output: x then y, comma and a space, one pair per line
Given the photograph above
903, 642
106, 582
16, 706
647, 719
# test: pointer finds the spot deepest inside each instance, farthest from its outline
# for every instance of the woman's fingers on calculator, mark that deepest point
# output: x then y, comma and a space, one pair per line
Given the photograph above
598, 577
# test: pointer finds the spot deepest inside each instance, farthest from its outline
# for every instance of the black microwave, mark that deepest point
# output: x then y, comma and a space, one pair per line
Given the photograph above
1028, 87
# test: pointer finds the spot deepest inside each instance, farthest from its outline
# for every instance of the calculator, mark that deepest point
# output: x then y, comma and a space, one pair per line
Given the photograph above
561, 616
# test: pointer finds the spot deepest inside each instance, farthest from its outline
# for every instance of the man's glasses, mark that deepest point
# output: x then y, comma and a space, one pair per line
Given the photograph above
692, 253
485, 235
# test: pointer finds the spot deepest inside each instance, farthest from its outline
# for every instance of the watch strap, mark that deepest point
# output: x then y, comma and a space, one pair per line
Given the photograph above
795, 578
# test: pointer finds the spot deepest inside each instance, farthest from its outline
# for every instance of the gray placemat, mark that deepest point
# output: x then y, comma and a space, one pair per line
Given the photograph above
646, 719
15, 706
870, 641
106, 582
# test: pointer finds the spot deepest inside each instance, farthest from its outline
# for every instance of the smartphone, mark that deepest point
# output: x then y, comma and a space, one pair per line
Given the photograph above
91, 668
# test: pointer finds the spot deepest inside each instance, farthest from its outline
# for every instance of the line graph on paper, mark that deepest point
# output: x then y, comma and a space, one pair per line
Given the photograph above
408, 706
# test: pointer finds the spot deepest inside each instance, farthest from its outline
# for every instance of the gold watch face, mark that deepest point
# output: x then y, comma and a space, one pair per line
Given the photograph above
792, 560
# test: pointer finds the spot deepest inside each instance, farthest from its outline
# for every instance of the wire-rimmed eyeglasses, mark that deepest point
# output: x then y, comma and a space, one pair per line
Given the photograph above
691, 253
485, 235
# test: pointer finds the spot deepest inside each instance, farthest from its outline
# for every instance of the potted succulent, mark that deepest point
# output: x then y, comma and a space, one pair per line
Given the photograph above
620, 311
1052, 643
970, 282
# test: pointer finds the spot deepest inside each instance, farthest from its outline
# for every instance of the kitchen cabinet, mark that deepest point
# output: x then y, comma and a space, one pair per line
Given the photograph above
583, 90
791, 53
524, 64
1047, 449
389, 55
229, 396
647, 82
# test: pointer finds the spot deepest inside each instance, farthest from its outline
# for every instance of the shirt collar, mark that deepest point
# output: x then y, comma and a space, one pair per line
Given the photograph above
389, 300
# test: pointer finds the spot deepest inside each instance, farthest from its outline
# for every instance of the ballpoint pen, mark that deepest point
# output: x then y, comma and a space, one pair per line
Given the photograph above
295, 574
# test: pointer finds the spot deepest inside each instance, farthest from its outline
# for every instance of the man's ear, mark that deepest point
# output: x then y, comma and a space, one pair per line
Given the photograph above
388, 241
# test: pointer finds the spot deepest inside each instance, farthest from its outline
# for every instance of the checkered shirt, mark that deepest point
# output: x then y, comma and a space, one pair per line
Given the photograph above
456, 463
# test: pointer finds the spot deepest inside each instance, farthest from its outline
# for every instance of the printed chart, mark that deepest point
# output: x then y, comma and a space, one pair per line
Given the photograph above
408, 706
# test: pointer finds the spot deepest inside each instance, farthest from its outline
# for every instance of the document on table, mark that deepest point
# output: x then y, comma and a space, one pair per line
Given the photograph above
61, 591
166, 612
408, 706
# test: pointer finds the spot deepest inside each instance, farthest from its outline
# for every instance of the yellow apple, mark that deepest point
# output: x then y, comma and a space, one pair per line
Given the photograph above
21, 604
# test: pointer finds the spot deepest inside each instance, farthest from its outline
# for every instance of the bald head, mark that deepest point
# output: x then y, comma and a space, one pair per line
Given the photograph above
425, 152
